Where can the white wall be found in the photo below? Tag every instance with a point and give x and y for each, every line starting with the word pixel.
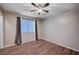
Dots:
pixel 39 29
pixel 1 30
pixel 63 29
pixel 9 28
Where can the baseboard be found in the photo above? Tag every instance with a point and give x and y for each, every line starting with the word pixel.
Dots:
pixel 63 46
pixel 9 46
pixel 1 47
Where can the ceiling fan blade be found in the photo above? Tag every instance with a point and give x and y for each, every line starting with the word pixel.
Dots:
pixel 34 4
pixel 46 10
pixel 32 10
pixel 47 4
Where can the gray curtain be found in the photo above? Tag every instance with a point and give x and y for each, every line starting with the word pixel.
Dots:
pixel 18 39
pixel 36 32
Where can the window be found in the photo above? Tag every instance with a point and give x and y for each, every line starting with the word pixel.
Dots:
pixel 27 25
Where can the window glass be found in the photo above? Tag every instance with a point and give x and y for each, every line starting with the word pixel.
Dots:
pixel 27 25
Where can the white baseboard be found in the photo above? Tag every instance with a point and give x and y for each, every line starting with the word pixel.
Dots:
pixel 8 45
pixel 63 45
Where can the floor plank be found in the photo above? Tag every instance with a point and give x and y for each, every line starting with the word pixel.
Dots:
pixel 40 47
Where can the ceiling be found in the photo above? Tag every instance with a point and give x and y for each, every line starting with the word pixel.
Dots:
pixel 25 8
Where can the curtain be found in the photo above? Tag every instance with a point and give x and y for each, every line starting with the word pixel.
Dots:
pixel 36 32
pixel 18 39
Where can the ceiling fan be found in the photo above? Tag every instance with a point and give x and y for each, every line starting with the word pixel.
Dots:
pixel 40 7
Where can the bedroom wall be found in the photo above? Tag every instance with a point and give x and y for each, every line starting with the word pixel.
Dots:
pixel 1 29
pixel 10 30
pixel 39 29
pixel 63 29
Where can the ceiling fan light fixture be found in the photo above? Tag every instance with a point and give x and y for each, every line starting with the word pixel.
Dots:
pixel 40 10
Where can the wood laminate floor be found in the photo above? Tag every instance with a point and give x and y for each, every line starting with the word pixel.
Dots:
pixel 40 47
